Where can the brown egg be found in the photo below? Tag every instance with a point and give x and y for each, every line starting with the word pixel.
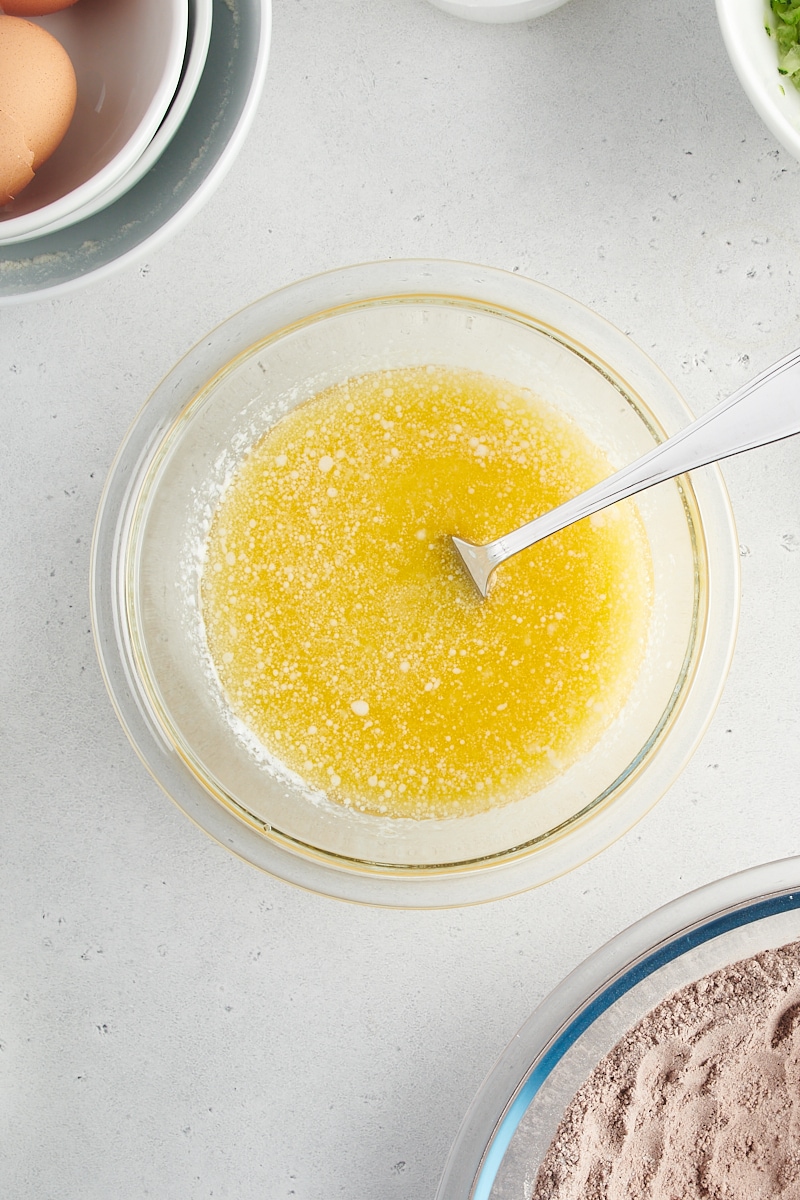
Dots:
pixel 16 170
pixel 37 99
pixel 33 8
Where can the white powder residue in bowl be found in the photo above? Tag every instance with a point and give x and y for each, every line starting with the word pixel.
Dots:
pixel 698 1101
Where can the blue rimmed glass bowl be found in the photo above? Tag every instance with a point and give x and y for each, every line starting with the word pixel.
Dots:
pixel 512 1120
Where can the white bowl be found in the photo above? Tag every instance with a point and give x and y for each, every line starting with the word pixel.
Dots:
pixel 194 163
pixel 498 11
pixel 754 55
pixel 200 18
pixel 127 58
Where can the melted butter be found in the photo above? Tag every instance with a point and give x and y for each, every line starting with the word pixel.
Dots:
pixel 345 633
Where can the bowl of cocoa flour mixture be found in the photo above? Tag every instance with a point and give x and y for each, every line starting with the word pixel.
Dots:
pixel 666 1067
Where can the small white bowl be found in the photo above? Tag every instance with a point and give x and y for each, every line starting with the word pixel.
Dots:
pixel 498 11
pixel 127 58
pixel 200 18
pixel 754 55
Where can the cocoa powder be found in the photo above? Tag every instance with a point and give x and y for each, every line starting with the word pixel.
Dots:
pixel 700 1099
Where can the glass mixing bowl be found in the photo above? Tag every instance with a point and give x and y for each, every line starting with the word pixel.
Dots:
pixel 236 384
pixel 510 1125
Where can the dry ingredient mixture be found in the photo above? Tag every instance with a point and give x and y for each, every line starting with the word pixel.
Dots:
pixel 345 633
pixel 700 1099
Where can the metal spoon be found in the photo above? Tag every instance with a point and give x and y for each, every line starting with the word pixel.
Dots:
pixel 762 411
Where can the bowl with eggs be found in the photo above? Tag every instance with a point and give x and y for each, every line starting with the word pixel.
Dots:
pixel 84 90
pixel 200 14
pixel 216 101
pixel 287 633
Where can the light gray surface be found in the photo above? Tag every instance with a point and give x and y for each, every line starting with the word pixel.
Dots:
pixel 173 1023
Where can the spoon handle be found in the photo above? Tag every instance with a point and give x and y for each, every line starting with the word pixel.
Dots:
pixel 764 410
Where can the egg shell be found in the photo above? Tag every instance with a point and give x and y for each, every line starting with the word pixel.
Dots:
pixel 38 88
pixel 33 8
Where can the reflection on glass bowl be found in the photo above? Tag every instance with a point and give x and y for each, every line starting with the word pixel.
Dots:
pixel 235 385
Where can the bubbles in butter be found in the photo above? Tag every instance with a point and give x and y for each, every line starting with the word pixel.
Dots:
pixel 345 633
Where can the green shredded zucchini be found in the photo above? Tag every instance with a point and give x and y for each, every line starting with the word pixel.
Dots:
pixel 787 35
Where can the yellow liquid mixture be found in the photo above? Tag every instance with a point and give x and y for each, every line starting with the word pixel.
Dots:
pixel 345 633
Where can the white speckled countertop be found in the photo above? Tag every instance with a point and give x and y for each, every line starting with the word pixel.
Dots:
pixel 173 1024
